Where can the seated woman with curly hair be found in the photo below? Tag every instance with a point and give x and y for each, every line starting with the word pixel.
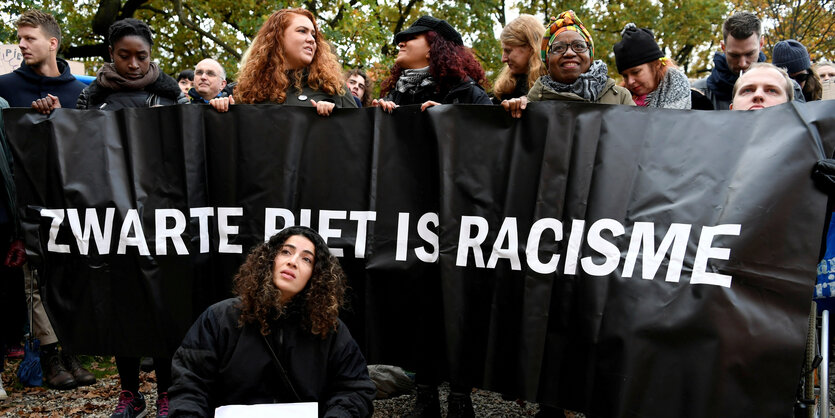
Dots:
pixel 279 341
pixel 290 63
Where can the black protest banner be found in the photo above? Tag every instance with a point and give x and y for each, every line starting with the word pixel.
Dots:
pixel 607 259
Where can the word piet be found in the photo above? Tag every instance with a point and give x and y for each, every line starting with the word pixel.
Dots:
pixel 602 256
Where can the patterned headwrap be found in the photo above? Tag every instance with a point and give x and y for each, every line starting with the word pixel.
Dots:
pixel 566 21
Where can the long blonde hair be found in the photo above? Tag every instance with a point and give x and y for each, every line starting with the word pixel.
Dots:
pixel 525 30
pixel 264 76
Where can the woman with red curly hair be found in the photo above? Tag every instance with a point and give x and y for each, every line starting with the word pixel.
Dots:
pixel 290 63
pixel 279 341
pixel 432 67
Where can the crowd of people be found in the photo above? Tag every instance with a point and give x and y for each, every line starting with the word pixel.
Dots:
pixel 280 339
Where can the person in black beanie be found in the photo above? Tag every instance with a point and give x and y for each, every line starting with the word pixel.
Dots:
pixel 652 78
pixel 793 56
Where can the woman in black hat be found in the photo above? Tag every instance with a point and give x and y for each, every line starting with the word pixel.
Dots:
pixel 652 78
pixel 432 67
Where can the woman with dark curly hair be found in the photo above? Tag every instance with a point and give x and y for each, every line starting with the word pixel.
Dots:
pixel 290 63
pixel 432 67
pixel 279 341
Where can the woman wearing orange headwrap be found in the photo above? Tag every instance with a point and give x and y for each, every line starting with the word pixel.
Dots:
pixel 573 75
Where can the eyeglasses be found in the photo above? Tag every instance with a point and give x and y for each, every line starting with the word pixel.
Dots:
pixel 801 77
pixel 559 48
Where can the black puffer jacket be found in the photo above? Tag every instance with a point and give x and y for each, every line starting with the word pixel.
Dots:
pixel 164 91
pixel 466 92
pixel 220 363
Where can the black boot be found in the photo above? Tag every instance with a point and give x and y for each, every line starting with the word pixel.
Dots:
pixel 81 375
pixel 426 403
pixel 55 375
pixel 460 405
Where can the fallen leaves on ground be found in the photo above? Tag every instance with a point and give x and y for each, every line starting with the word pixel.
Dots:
pixel 97 400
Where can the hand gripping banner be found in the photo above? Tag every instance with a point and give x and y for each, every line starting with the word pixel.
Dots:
pixel 607 259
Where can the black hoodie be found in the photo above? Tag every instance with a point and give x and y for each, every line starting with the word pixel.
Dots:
pixel 23 86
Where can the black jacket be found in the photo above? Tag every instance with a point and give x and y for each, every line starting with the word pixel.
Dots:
pixel 163 91
pixel 23 86
pixel 220 363
pixel 467 91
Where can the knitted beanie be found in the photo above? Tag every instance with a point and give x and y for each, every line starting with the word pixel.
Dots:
pixel 429 23
pixel 637 46
pixel 791 55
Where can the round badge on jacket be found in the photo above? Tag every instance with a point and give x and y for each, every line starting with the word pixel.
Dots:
pixel 302 97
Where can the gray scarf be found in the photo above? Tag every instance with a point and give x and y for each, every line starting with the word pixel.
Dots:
pixel 413 79
pixel 673 92
pixel 588 86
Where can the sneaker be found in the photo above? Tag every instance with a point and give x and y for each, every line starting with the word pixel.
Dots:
pixel 162 405
pixel 3 394
pixel 82 376
pixel 55 375
pixel 426 403
pixel 460 405
pixel 14 352
pixel 130 405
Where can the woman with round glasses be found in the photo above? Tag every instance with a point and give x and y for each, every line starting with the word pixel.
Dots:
pixel 573 75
